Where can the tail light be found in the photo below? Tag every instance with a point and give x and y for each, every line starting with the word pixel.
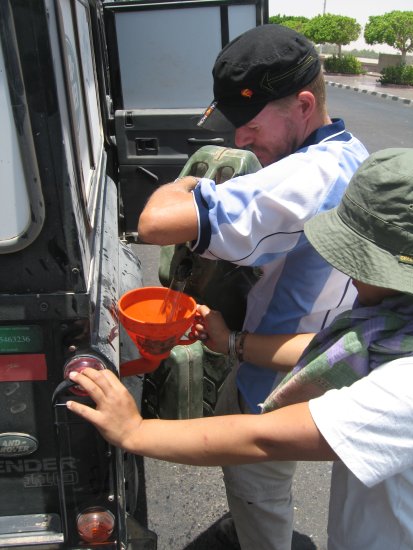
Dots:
pixel 95 524
pixel 79 363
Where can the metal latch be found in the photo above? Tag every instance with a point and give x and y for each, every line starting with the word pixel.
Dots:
pixel 128 118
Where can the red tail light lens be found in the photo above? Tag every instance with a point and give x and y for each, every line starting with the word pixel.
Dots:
pixel 79 363
pixel 95 524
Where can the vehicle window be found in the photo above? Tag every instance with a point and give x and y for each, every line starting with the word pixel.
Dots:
pixel 89 79
pixel 178 76
pixel 21 204
pixel 78 97
pixel 166 56
pixel 240 19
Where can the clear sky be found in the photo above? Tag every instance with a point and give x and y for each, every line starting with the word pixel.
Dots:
pixel 359 9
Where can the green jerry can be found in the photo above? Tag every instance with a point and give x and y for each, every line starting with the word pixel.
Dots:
pixel 188 382
pixel 174 390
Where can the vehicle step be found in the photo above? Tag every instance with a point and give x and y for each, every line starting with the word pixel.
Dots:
pixel 30 529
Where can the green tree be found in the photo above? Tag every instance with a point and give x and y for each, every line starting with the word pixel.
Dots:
pixel 394 28
pixel 332 29
pixel 295 22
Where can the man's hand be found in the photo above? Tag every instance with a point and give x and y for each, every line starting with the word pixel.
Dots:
pixel 212 329
pixel 116 415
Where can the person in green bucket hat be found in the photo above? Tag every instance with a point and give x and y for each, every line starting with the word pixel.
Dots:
pixel 350 397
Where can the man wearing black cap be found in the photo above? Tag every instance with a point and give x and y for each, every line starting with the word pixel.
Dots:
pixel 268 85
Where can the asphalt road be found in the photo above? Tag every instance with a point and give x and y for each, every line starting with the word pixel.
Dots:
pixel 378 122
pixel 184 503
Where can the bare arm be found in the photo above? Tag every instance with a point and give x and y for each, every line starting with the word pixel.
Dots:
pixel 274 351
pixel 170 216
pixel 286 434
pixel 279 352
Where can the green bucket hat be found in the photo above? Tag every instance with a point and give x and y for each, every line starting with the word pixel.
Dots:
pixel 369 236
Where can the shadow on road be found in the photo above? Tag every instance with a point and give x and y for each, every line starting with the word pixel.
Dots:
pixel 208 541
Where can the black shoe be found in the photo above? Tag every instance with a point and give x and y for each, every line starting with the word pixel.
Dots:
pixel 226 533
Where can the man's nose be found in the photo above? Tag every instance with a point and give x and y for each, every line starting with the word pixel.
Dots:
pixel 242 137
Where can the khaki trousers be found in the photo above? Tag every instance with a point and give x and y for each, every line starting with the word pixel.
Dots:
pixel 259 495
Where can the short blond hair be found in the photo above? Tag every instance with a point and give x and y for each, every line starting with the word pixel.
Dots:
pixel 317 87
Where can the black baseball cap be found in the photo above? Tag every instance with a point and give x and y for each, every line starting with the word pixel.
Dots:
pixel 265 63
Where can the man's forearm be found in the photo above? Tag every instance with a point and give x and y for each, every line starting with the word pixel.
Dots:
pixel 279 352
pixel 170 215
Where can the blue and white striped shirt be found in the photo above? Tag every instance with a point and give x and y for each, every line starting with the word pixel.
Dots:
pixel 258 219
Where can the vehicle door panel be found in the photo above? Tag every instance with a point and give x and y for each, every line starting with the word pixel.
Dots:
pixel 161 82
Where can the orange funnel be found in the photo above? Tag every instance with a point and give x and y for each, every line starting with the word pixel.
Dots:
pixel 145 313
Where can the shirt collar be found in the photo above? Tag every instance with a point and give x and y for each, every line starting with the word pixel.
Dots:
pixel 334 131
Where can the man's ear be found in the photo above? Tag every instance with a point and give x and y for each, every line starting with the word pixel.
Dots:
pixel 307 103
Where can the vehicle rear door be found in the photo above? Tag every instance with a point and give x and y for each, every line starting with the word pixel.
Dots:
pixel 160 56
